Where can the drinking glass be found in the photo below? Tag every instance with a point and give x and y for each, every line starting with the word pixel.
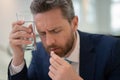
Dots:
pixel 28 19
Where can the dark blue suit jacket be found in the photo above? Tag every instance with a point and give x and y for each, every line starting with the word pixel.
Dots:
pixel 99 60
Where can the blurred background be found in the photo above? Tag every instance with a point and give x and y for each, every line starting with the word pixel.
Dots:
pixel 95 16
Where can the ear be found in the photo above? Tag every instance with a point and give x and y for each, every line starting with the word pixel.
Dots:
pixel 75 23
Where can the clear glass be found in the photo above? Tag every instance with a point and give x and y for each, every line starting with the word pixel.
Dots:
pixel 28 18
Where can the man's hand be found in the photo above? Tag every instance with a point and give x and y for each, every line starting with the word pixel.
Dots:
pixel 61 70
pixel 17 39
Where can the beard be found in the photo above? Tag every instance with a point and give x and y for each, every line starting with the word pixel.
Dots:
pixel 62 50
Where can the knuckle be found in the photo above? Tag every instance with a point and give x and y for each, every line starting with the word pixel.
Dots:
pixel 49 73
pixel 49 67
pixel 10 39
pixel 20 33
pixel 13 24
pixel 50 60
pixel 15 27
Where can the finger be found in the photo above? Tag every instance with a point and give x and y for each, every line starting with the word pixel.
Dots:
pixel 51 75
pixel 54 63
pixel 52 69
pixel 20 42
pixel 21 34
pixel 21 28
pixel 59 60
pixel 18 23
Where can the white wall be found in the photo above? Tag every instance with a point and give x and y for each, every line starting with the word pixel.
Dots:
pixel 8 9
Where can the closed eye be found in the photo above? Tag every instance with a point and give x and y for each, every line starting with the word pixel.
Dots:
pixel 56 30
pixel 42 33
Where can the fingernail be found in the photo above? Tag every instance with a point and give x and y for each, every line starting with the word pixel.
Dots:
pixel 52 52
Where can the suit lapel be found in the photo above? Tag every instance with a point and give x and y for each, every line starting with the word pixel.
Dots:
pixel 87 57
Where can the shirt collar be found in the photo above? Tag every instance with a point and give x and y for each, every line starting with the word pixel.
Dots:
pixel 74 56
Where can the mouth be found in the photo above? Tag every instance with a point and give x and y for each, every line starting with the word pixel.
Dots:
pixel 54 49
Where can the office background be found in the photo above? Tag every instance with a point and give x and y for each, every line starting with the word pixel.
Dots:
pixel 95 16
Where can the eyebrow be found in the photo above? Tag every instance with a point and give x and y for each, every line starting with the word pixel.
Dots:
pixel 54 28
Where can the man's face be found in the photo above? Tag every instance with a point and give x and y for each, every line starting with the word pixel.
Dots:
pixel 56 33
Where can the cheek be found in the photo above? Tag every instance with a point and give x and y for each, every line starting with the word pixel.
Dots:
pixel 62 39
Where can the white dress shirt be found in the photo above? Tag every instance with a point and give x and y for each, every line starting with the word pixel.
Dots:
pixel 73 57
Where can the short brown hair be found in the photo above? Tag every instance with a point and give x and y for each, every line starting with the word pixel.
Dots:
pixel 66 6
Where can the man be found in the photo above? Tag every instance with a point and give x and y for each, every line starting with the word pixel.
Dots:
pixel 91 56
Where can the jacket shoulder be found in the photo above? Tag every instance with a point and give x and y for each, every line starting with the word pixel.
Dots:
pixel 40 51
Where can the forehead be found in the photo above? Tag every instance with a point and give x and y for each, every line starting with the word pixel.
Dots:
pixel 50 18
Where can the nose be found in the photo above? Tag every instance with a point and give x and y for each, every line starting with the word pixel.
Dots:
pixel 49 40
